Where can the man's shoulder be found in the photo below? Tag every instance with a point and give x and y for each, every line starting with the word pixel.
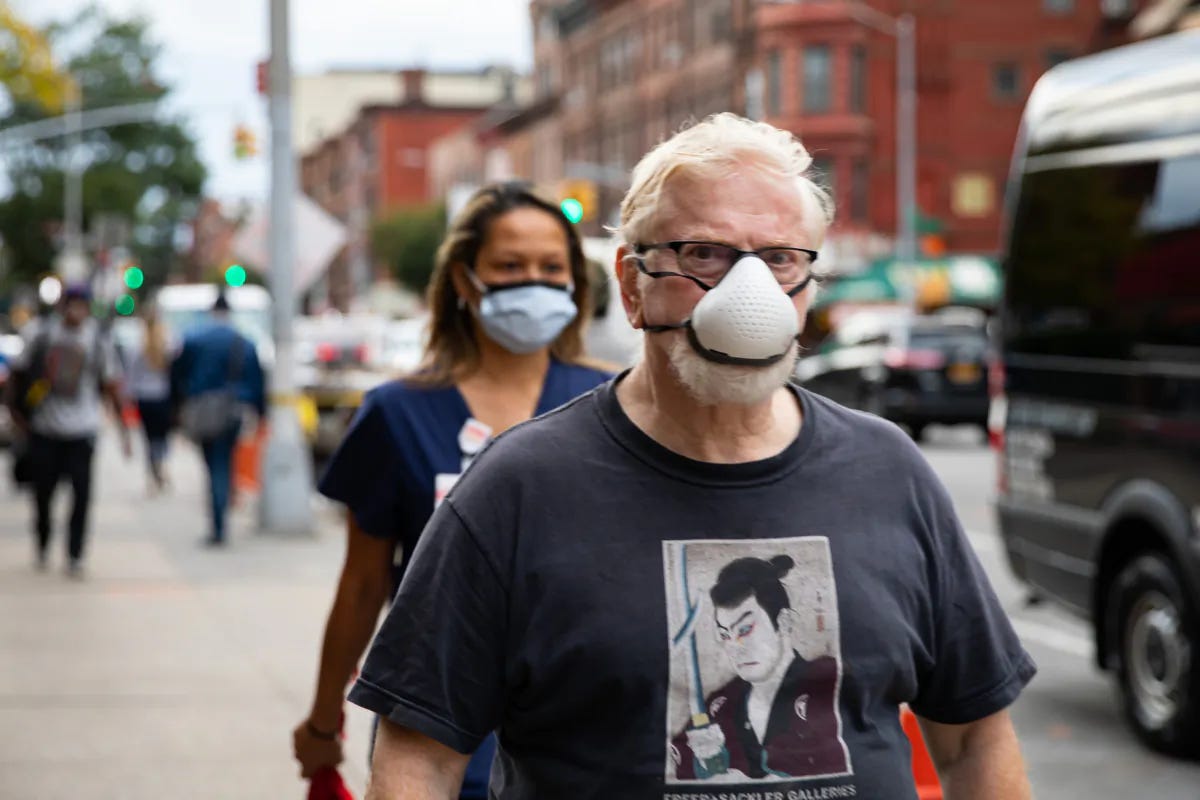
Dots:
pixel 542 449
pixel 538 438
pixel 583 375
pixel 850 430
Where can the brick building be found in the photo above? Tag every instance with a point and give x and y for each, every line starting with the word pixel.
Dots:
pixel 627 73
pixel 213 232
pixel 830 77
pixel 379 161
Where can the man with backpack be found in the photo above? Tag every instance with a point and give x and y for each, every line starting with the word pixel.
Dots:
pixel 215 377
pixel 67 365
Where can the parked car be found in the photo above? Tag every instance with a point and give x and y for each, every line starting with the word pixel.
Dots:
pixel 339 358
pixel 914 369
pixel 1097 406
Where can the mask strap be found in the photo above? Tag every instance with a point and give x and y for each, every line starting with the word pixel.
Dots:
pixel 800 287
pixel 660 328
pixel 484 288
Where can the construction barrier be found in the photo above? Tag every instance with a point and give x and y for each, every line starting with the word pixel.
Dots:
pixel 924 773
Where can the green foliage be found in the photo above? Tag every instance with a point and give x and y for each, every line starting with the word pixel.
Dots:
pixel 148 174
pixel 407 241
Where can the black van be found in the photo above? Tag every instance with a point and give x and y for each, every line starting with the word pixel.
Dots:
pixel 1096 407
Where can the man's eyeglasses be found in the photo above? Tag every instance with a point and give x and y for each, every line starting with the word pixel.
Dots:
pixel 706 263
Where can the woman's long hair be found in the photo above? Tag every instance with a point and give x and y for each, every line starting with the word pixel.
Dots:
pixel 155 349
pixel 452 352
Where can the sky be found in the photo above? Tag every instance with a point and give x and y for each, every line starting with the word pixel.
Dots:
pixel 210 48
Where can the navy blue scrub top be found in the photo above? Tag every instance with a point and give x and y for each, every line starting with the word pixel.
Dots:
pixel 385 470
pixel 386 473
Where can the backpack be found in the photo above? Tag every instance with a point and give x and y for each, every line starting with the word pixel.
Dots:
pixel 211 414
pixel 33 383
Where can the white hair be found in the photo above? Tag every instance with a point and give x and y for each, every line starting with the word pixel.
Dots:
pixel 710 383
pixel 714 148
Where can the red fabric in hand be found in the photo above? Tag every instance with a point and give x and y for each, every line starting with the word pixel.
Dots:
pixel 327 784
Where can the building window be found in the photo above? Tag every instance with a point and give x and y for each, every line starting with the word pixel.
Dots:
pixel 1059 8
pixel 1006 81
pixel 973 195
pixel 1056 56
pixel 774 83
pixel 858 79
pixel 1116 9
pixel 817 74
pixel 860 190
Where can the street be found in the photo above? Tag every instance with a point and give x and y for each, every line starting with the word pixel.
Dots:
pixel 176 671
pixel 1069 720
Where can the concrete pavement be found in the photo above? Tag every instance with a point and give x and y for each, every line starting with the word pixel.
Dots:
pixel 171 670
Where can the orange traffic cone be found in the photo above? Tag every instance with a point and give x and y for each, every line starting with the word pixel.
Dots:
pixel 924 773
pixel 247 456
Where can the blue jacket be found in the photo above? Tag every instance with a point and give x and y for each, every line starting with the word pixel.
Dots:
pixel 203 365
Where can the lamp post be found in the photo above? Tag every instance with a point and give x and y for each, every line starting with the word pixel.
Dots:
pixel 286 468
pixel 903 29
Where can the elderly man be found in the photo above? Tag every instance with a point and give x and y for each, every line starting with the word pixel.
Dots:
pixel 574 590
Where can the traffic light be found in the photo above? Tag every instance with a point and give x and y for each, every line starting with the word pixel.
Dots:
pixel 578 199
pixel 134 278
pixel 235 275
pixel 245 145
pixel 572 209
pixel 125 305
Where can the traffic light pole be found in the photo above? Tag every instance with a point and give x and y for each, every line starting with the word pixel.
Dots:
pixel 286 468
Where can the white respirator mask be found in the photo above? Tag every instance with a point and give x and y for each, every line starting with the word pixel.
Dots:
pixel 746 319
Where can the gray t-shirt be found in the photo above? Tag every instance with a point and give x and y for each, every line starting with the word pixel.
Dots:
pixel 74 362
pixel 636 624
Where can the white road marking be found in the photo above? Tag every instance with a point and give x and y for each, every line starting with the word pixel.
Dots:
pixel 985 543
pixel 1060 639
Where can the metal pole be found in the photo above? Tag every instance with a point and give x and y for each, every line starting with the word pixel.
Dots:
pixel 906 140
pixel 72 266
pixel 287 470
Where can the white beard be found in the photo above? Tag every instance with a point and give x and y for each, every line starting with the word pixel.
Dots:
pixel 713 384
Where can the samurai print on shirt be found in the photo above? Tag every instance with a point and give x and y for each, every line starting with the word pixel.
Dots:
pixel 755 663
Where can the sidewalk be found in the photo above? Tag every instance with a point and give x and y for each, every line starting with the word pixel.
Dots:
pixel 171 670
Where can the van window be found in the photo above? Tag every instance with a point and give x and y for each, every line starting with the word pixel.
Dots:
pixel 1104 261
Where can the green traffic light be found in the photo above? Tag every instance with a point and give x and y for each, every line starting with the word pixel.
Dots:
pixel 235 275
pixel 134 278
pixel 572 209
pixel 125 305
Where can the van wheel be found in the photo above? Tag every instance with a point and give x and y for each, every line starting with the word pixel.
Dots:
pixel 1159 667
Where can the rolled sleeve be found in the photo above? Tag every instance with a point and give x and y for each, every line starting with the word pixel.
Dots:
pixel 979 666
pixel 437 663
pixel 365 472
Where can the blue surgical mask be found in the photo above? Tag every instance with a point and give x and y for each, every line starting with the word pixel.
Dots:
pixel 524 317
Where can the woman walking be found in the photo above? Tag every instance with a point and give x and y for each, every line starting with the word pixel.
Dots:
pixel 508 301
pixel 150 386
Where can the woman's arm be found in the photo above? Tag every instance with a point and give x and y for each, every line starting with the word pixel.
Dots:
pixel 361 593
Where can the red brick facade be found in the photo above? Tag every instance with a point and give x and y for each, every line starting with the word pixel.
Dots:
pixel 629 73
pixel 976 63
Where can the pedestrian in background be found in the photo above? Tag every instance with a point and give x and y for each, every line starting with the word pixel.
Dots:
pixel 150 386
pixel 215 379
pixel 66 367
pixel 508 300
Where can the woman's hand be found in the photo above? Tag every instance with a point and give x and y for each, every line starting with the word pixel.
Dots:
pixel 315 749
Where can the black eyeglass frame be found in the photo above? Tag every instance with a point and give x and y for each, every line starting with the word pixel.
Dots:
pixel 641 249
